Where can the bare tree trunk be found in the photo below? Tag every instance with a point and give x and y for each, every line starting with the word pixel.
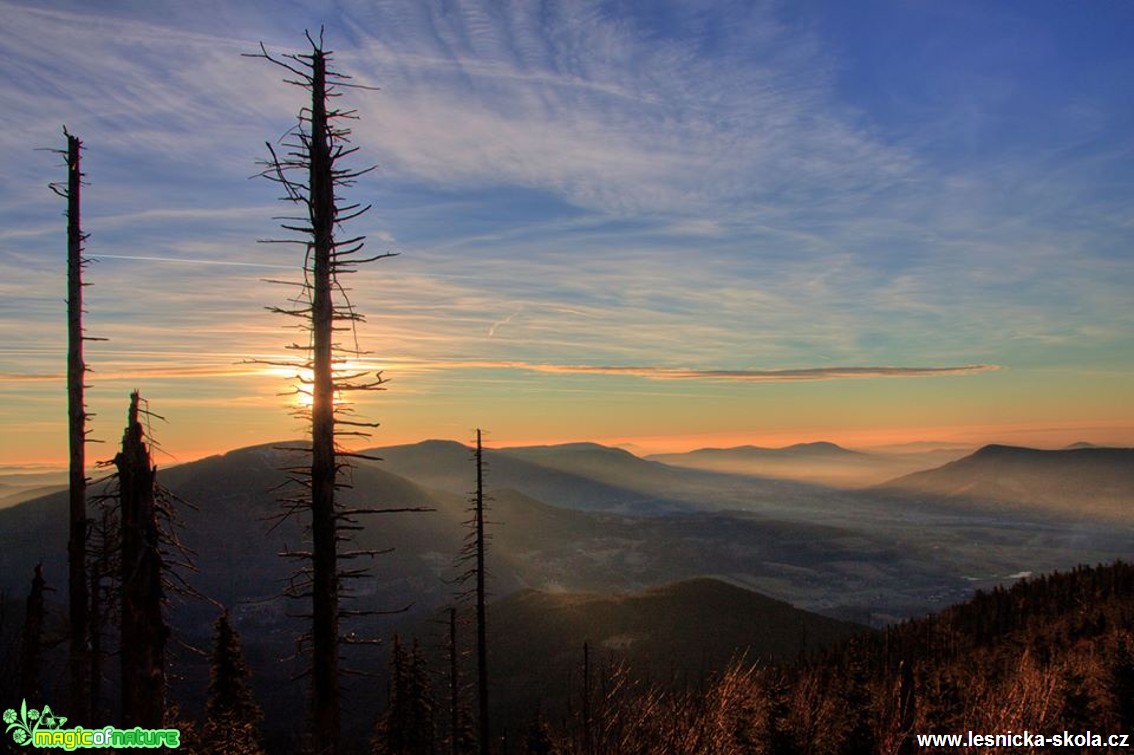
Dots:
pixel 143 629
pixel 454 684
pixel 325 589
pixel 77 420
pixel 314 148
pixel 481 628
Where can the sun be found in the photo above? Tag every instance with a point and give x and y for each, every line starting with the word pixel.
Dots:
pixel 301 395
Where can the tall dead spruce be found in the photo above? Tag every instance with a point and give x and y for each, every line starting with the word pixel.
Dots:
pixel 309 169
pixel 78 601
pixel 473 554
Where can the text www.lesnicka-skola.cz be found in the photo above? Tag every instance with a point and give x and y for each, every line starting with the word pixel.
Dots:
pixel 1025 739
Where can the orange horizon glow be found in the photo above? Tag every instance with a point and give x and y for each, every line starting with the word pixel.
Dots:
pixel 1035 435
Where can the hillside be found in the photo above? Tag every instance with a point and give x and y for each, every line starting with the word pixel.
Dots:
pixel 677 630
pixel 19 484
pixel 870 556
pixel 1077 481
pixel 1030 658
pixel 860 555
pixel 446 465
pixel 821 463
pixel 818 450
pixel 673 636
pixel 612 466
pixel 596 478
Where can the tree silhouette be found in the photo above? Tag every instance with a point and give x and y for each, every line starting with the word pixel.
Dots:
pixel 407 726
pixel 31 650
pixel 77 598
pixel 310 171
pixel 232 715
pixel 144 631
pixel 473 554
pixel 462 739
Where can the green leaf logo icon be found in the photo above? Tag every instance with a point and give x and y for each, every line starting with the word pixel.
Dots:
pixel 24 725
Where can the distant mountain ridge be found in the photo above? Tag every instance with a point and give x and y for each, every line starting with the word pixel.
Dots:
pixel 819 462
pixel 816 448
pixel 587 477
pixel 1094 480
pixel 580 517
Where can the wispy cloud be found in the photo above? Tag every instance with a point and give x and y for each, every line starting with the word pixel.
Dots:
pixel 179 369
pixel 766 376
pixel 572 185
pixel 743 376
pixel 575 102
pixel 188 261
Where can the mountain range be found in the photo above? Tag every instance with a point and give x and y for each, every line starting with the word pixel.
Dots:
pixel 603 541
pixel 1091 481
pixel 589 517
pixel 821 462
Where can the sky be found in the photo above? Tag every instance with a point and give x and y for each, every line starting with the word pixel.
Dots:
pixel 667 225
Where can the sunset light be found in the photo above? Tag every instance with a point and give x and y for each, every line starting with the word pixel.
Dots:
pixel 567 376
pixel 734 247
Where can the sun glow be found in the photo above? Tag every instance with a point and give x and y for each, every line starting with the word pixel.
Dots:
pixel 300 393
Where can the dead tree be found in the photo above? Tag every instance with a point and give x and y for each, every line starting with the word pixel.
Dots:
pixel 137 562
pixel 462 738
pixel 454 683
pixel 481 597
pixel 78 600
pixel 310 170
pixel 473 554
pixel 143 628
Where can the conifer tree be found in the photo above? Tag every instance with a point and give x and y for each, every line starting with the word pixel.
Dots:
pixel 407 725
pixel 31 655
pixel 1122 679
pixel 422 720
pixel 232 715
pixel 538 741
pixel 907 709
pixel 777 722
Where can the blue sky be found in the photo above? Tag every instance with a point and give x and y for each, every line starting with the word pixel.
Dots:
pixel 638 222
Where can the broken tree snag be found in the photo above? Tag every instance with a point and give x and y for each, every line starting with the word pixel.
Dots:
pixel 143 630
pixel 102 541
pixel 309 171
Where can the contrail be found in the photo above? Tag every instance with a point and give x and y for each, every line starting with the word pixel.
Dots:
pixel 188 261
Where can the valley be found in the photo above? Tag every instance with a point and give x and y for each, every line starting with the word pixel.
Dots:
pixel 587 531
